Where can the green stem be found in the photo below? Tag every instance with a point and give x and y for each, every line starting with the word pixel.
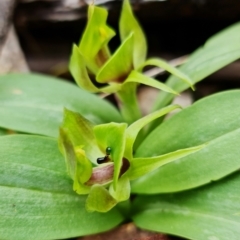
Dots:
pixel 128 102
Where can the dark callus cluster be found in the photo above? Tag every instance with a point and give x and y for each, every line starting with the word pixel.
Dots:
pixel 105 158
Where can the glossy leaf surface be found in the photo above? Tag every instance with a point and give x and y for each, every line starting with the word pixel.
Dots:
pixel 211 212
pixel 36 196
pixel 34 103
pixel 214 120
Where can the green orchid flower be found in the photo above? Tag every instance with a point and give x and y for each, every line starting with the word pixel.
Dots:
pixel 120 72
pixel 100 160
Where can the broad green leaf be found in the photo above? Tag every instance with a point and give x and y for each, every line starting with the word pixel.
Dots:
pixel 128 102
pixel 93 44
pixel 119 65
pixel 166 66
pixel 133 130
pixel 129 24
pixel 112 135
pixel 99 199
pixel 136 77
pixel 142 166
pixel 80 132
pixel 211 212
pixel 220 50
pixel 36 196
pixel 79 71
pixel 34 103
pixel 214 120
pixel 123 189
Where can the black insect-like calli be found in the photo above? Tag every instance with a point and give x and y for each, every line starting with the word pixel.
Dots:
pixel 106 158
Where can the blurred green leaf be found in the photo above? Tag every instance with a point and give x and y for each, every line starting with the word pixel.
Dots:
pixel 129 24
pixel 93 44
pixel 112 135
pixel 166 66
pixel 211 212
pixel 37 199
pixel 3 132
pixel 34 103
pixel 220 50
pixel 119 65
pixel 213 120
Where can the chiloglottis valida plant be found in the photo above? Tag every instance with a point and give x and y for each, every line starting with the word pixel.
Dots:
pixel 100 159
pixel 96 69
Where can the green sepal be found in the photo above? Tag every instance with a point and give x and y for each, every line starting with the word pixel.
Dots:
pixel 84 166
pixel 80 133
pixel 142 166
pixel 112 135
pixel 96 36
pixel 79 71
pixel 119 65
pixel 133 130
pixel 99 199
pixel 137 77
pixel 166 66
pixel 123 189
pixel 78 166
pixel 128 24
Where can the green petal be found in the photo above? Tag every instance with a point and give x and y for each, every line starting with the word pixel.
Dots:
pixel 123 189
pixel 129 24
pixel 166 66
pixel 79 72
pixel 112 135
pixel 137 77
pixel 119 65
pixel 142 166
pixel 80 133
pixel 99 199
pixel 93 45
pixel 133 130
